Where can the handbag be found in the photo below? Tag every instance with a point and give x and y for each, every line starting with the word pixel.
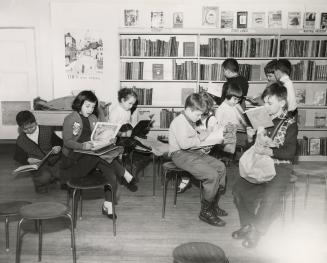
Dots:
pixel 257 168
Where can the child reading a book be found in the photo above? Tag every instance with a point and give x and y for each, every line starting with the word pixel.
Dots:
pixel 231 72
pixel 34 142
pixel 211 171
pixel 77 129
pixel 259 204
pixel 282 72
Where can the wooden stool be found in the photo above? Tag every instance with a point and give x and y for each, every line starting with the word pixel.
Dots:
pixel 199 252
pixel 170 167
pixel 41 211
pixel 10 209
pixel 93 181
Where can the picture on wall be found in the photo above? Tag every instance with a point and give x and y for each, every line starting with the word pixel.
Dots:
pixel 131 17
pixel 323 21
pixel 227 19
pixel 83 54
pixel 178 19
pixel 242 19
pixel 258 19
pixel 210 16
pixel 275 19
pixel 309 20
pixel 157 20
pixel 294 20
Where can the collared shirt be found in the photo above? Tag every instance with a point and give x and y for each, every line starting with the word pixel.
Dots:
pixel 291 99
pixel 35 135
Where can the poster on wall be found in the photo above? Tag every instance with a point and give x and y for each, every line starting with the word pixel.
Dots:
pixel 83 54
pixel 323 21
pixel 178 19
pixel 294 20
pixel 275 19
pixel 227 19
pixel 210 16
pixel 309 20
pixel 258 19
pixel 131 17
pixel 157 20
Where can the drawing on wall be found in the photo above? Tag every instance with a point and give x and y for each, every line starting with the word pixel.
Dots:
pixel 178 19
pixel 275 19
pixel 294 20
pixel 258 19
pixel 309 20
pixel 323 21
pixel 131 17
pixel 10 109
pixel 210 16
pixel 157 20
pixel 83 54
pixel 227 18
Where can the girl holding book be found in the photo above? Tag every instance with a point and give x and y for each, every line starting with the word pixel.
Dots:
pixel 77 130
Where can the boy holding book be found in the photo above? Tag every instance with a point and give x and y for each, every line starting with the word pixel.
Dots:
pixel 183 136
pixel 34 142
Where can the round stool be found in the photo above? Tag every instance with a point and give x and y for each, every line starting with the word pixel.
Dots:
pixel 40 211
pixel 10 209
pixel 167 168
pixel 199 252
pixel 93 181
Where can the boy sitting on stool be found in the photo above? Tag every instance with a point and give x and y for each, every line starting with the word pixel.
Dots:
pixel 212 172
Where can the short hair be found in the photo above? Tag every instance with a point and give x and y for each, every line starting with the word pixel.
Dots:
pixel 82 97
pixel 231 89
pixel 231 64
pixel 276 89
pixel 125 93
pixel 25 117
pixel 208 100
pixel 270 67
pixel 284 65
pixel 195 102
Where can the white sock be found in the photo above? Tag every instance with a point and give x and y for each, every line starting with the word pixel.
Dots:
pixel 184 181
pixel 128 177
pixel 108 205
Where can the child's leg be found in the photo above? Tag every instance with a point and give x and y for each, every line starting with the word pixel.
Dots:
pixel 41 179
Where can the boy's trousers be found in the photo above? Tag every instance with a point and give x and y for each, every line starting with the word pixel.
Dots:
pixel 209 170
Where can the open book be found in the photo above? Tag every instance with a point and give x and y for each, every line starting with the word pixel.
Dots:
pixel 259 116
pixel 101 137
pixel 32 167
pixel 215 137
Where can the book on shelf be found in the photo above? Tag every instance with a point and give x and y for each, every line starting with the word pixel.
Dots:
pixel 227 19
pixel 314 146
pixel 210 16
pixel 157 71
pixel 301 117
pixel 323 21
pixel 242 19
pixel 258 117
pixel 185 92
pixel 32 167
pixel 188 49
pixel 258 19
pixel 300 94
pixel 294 20
pixel 178 19
pixel 309 20
pixel 275 19
pixel 319 97
pixel 320 119
pixel 131 17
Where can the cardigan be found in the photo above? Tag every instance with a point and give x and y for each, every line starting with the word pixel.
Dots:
pixel 72 129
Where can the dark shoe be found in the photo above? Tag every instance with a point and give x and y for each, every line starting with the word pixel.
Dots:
pixel 105 213
pixel 208 215
pixel 252 238
pixel 242 232
pixel 184 187
pixel 219 211
pixel 131 185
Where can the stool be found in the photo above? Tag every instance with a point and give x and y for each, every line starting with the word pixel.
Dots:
pixel 10 209
pixel 199 252
pixel 92 181
pixel 170 167
pixel 309 169
pixel 293 180
pixel 40 211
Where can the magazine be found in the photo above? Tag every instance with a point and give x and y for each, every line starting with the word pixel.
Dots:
pixel 32 167
pixel 259 116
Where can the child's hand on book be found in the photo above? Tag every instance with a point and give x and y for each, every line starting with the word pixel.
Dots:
pixel 87 145
pixel 56 149
pixel 33 160
pixel 203 134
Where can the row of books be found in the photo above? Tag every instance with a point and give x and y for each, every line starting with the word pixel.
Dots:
pixel 309 70
pixel 214 72
pixel 250 47
pixel 315 119
pixel 187 70
pixel 312 146
pixel 303 48
pixel 132 70
pixel 146 47
pixel 144 96
pixel 167 116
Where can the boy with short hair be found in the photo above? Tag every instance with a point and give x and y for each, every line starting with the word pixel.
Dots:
pixel 231 72
pixel 269 70
pixel 35 141
pixel 211 171
pixel 282 73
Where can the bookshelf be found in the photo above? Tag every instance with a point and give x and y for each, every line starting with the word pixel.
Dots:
pixel 174 63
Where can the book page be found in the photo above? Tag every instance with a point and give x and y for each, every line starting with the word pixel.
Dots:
pixel 259 117
pixel 103 132
pixel 215 137
pixel 26 168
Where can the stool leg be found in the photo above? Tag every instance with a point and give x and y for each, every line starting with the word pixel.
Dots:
pixel 7 233
pixel 293 201
pixel 175 190
pixel 113 211
pixel 40 239
pixel 68 197
pixel 72 236
pixel 154 175
pixel 80 204
pixel 18 241
pixel 307 185
pixel 164 194
pixel 74 206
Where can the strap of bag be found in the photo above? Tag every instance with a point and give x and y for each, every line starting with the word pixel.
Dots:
pixel 280 123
